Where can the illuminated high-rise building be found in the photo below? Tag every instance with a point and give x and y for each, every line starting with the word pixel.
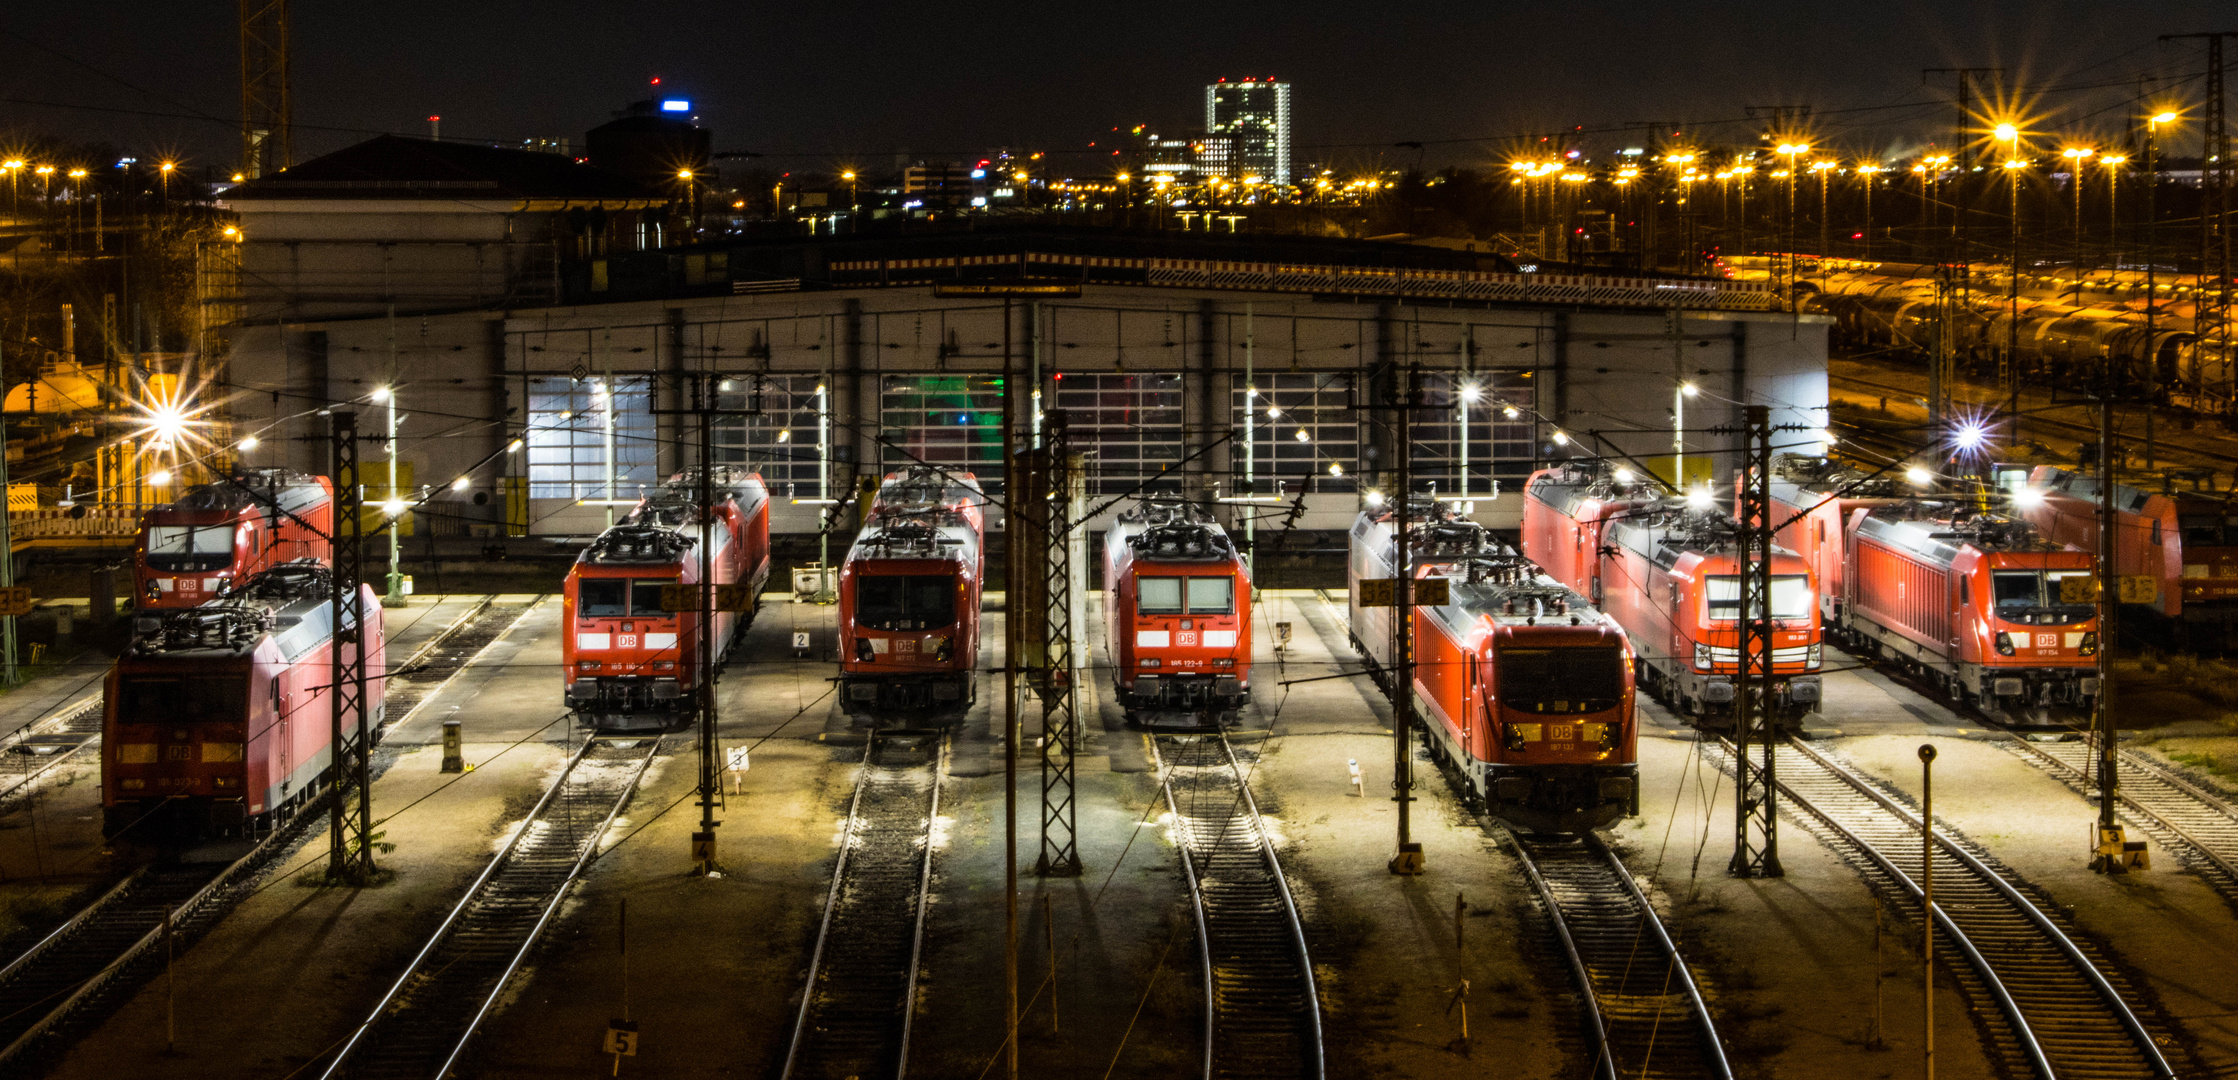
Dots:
pixel 1254 114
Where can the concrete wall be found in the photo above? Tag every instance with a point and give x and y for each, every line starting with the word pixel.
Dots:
pixel 1604 378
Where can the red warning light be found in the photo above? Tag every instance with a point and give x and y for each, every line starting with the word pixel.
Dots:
pixel 656 80
pixel 434 119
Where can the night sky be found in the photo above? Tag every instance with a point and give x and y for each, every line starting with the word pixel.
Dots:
pixel 818 84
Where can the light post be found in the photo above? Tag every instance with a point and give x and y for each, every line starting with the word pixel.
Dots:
pixel 691 205
pixel 163 174
pixel 2077 157
pixel 2113 164
pixel 1686 389
pixel 1789 150
pixel 1470 392
pixel 854 201
pixel 1927 892
pixel 1869 171
pixel 1825 171
pixel 394 505
pixel 2152 286
pixel 2010 136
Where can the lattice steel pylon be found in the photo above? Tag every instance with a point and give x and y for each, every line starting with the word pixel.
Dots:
pixel 1756 845
pixel 1051 492
pixel 265 111
pixel 350 816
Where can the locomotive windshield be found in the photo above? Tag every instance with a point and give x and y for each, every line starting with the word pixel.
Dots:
pixel 1185 596
pixel 905 602
pixel 190 547
pixel 169 699
pixel 2208 530
pixel 601 598
pixel 1791 597
pixel 2028 596
pixel 1588 679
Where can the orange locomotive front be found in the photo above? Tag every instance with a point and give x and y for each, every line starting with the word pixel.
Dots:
pixel 229 530
pixel 1974 603
pixel 2186 541
pixel 1670 575
pixel 909 595
pixel 222 718
pixel 1522 686
pixel 1177 616
pixel 629 655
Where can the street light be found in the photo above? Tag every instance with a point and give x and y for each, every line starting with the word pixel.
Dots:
pixel 394 506
pixel 1686 389
pixel 2014 164
pixel 2152 285
pixel 2076 157
pixel 1790 150
pixel 1868 170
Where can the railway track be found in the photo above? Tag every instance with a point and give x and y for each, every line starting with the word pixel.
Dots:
pixel 86 964
pixel 423 1025
pixel 435 664
pixel 2050 1006
pixel 2085 432
pixel 2198 827
pixel 35 749
pixel 863 972
pixel 1262 1008
pixel 1644 1014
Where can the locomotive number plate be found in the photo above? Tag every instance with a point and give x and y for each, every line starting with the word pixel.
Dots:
pixel 1383 592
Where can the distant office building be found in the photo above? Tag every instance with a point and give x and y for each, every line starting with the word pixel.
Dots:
pixel 936 178
pixel 1255 115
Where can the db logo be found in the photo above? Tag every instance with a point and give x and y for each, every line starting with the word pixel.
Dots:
pixel 2047 641
pixel 1185 638
pixel 905 645
pixel 625 641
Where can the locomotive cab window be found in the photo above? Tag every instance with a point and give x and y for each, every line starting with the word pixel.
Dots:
pixel 2201 530
pixel 160 699
pixel 2023 595
pixel 190 547
pixel 905 602
pixel 645 597
pixel 1791 597
pixel 1212 596
pixel 1560 680
pixel 601 598
pixel 1158 595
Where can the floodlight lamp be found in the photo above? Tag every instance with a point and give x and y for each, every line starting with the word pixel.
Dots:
pixel 249 442
pixel 1700 498
pixel 1375 498
pixel 459 484
pixel 1919 476
pixel 1623 475
pixel 2027 498
pixel 160 478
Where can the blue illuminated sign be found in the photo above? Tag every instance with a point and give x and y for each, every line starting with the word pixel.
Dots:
pixel 676 105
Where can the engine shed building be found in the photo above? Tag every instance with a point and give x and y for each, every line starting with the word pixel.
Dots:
pixel 1184 362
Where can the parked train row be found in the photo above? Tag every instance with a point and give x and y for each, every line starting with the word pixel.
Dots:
pixel 2055 331
pixel 1524 675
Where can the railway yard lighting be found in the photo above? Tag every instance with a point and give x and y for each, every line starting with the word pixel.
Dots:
pixel 249 442
pixel 1918 476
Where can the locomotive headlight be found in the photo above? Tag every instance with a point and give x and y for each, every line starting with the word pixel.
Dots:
pixel 864 652
pixel 1702 655
pixel 1816 656
pixel 1149 661
pixel 2090 643
pixel 2004 643
pixel 1225 661
pixel 1512 740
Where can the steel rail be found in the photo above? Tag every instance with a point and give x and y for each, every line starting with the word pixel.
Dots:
pixel 1604 1058
pixel 185 911
pixel 2096 980
pixel 1707 1027
pixel 2084 783
pixel 866 808
pixel 551 908
pixel 1196 909
pixel 1235 837
pixel 458 910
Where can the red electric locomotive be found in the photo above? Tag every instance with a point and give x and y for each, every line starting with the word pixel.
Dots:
pixel 1177 616
pixel 2185 541
pixel 1812 500
pixel 1972 602
pixel 1670 575
pixel 1523 687
pixel 229 530
pixel 220 719
pixel 909 597
pixel 627 660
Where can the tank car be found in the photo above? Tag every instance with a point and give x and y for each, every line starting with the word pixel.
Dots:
pixel 226 531
pixel 2186 541
pixel 1521 686
pixel 628 662
pixel 909 598
pixel 1971 601
pixel 220 720
pixel 1177 616
pixel 1670 575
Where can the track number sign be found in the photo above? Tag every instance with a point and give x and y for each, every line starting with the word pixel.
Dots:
pixel 15 600
pixel 621 1038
